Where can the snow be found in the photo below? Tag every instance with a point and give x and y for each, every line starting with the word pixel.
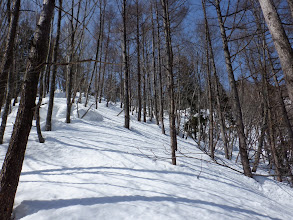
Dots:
pixel 94 168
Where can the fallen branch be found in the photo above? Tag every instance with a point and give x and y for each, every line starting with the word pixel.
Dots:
pixel 120 112
pixel 87 111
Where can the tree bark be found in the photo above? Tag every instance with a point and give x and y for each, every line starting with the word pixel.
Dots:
pixel 281 42
pixel 125 68
pixel 290 3
pixel 199 106
pixel 104 65
pixel 7 104
pixel 236 101
pixel 217 83
pixel 160 73
pixel 12 165
pixel 154 69
pixel 209 82
pixel 138 63
pixel 144 79
pixel 37 114
pixel 149 86
pixel 260 140
pixel 54 71
pixel 96 57
pixel 9 50
pixel 69 79
pixel 98 76
pixel 171 79
pixel 47 71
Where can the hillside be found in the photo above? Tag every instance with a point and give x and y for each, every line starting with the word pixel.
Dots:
pixel 94 168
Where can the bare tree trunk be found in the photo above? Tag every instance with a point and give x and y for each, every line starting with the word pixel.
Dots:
pixel 290 3
pixel 99 42
pixel 47 70
pixel 9 50
pixel 236 101
pixel 138 63
pixel 160 72
pixel 281 42
pixel 125 68
pixel 98 76
pixel 17 87
pixel 217 83
pixel 260 140
pixel 268 106
pixel 15 154
pixel 70 66
pixel 7 103
pixel 144 79
pixel 18 83
pixel 209 76
pixel 149 86
pixel 104 65
pixel 37 110
pixel 284 112
pixel 109 92
pixel 121 88
pixel 54 71
pixel 171 79
pixel 273 144
pixel 199 106
pixel 154 69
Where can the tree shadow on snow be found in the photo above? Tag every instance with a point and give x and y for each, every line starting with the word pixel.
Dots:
pixel 29 207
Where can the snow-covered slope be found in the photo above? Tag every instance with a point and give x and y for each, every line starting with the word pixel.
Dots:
pixel 94 168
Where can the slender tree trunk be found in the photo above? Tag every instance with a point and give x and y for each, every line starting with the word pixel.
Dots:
pixel 70 68
pixel 17 83
pixel 144 96
pixel 46 78
pixel 160 72
pixel 96 57
pixel 138 63
pixel 109 92
pixel 7 104
pixel 171 79
pixel 281 42
pixel 69 80
pixel 284 112
pixel 13 161
pixel 98 77
pixel 37 112
pixel 17 86
pixel 209 76
pixel 271 130
pixel 125 68
pixel 9 49
pixel 121 88
pixel 217 83
pixel 144 78
pixel 154 69
pixel 260 140
pixel 236 101
pixel 290 3
pixel 199 106
pixel 54 71
pixel 104 65
pixel 149 86
pixel 273 144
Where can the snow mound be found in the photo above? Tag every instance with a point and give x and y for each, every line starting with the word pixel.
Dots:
pixel 89 115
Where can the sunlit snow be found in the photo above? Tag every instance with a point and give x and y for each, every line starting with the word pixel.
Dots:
pixel 94 168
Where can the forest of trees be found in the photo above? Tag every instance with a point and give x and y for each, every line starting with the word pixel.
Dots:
pixel 221 70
